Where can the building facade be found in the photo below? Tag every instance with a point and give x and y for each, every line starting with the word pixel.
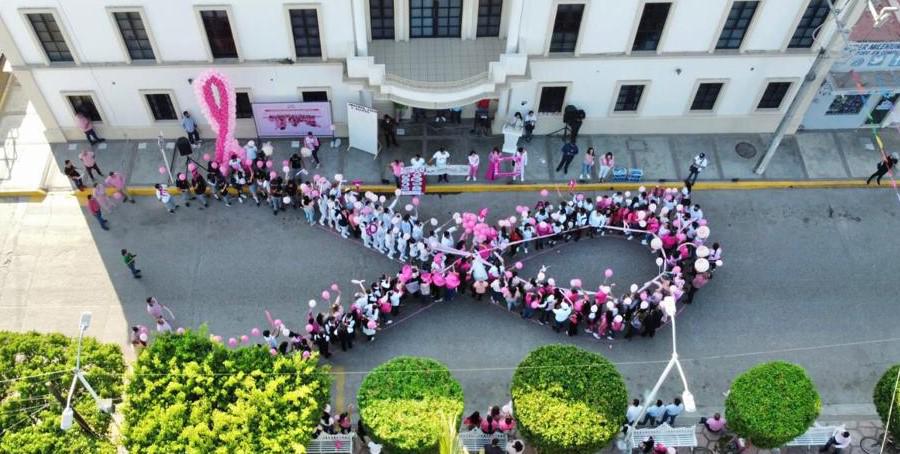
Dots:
pixel 633 66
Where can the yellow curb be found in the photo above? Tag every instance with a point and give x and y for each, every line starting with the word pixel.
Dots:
pixel 562 187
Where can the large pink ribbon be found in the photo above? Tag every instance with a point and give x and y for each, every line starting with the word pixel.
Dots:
pixel 218 101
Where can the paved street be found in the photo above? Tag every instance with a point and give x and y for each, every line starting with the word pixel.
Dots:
pixel 808 277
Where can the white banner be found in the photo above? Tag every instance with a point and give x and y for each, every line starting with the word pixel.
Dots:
pixel 363 124
pixel 449 169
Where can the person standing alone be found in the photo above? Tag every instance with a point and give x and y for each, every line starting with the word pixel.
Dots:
pixel 190 127
pixel 569 150
pixel 94 208
pixel 129 260
pixel 883 168
pixel 697 165
pixel 84 123
pixel 312 142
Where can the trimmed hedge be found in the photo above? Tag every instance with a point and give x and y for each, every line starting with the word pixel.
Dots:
pixel 405 403
pixel 882 395
pixel 189 394
pixel 772 403
pixel 567 399
pixel 30 416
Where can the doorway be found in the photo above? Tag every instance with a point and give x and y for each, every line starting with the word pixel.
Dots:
pixel 882 109
pixel 435 18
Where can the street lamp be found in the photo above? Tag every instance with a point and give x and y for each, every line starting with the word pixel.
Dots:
pixel 668 305
pixel 105 405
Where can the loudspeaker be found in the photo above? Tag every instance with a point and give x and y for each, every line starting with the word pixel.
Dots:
pixel 570 114
pixel 184 146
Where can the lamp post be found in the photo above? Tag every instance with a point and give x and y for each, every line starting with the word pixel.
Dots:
pixel 105 405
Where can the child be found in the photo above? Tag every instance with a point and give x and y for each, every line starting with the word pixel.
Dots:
pixel 587 167
pixel 474 160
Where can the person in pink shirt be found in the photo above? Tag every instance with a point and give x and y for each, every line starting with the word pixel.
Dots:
pixel 714 424
pixel 94 208
pixel 85 125
pixel 116 181
pixel 90 163
pixel 493 165
pixel 312 142
pixel 397 169
pixel 607 162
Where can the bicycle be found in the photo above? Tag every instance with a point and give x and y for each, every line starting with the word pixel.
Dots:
pixel 872 445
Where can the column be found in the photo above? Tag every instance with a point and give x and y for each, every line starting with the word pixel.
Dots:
pixel 502 113
pixel 515 23
pixel 401 20
pixel 359 28
pixel 469 24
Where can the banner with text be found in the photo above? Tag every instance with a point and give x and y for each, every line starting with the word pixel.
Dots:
pixel 292 119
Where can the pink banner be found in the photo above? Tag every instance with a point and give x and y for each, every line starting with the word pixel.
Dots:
pixel 292 119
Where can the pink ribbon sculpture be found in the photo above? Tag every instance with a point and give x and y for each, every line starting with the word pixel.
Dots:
pixel 217 100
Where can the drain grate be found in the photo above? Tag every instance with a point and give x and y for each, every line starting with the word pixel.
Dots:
pixel 745 150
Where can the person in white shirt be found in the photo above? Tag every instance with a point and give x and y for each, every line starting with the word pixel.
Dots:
pixel 440 161
pixel 530 123
pixel 840 440
pixel 634 410
pixel 417 162
pixel 697 165
pixel 654 412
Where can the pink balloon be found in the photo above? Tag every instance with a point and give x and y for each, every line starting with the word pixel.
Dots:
pixel 254 332
pixel 273 174
pixel 192 167
pixel 118 196
pixel 335 288
pixel 214 165
pixel 273 352
pixel 372 324
pixel 245 338
pixel 438 280
pixel 232 342
pixel 162 170
pixel 309 328
pixel 181 177
pixel 534 304
pixel 305 354
pixel 270 164
pixel 608 273
pixel 508 274
pixel 217 339
pixel 544 193
pixel 702 222
pixel 452 281
pixel 326 295
pixel 575 283
pixel 415 201
pixel 180 330
pixel 285 162
pixel 206 156
pixel 518 265
pixel 259 164
pixel 277 322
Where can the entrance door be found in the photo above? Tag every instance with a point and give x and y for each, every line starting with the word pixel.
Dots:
pixel 435 18
pixel 882 109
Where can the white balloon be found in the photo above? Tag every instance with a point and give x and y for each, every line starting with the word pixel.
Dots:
pixel 703 232
pixel 656 243
pixel 433 221
pixel 408 207
pixel 659 261
pixel 701 265
pixel 338 177
pixel 702 251
pixel 719 263
pixel 634 288
pixel 312 304
pixel 382 199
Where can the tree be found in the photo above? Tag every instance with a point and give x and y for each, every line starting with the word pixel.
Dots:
pixel 568 399
pixel 30 416
pixel 406 403
pixel 883 395
pixel 772 403
pixel 190 394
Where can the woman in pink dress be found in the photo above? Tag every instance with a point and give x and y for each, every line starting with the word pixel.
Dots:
pixel 102 198
pixel 493 165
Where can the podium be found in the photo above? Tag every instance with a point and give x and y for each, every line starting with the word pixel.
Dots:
pixel 511 135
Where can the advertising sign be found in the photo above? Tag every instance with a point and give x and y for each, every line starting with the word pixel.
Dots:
pixel 292 119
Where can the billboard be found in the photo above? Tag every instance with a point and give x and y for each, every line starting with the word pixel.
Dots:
pixel 292 119
pixel 363 124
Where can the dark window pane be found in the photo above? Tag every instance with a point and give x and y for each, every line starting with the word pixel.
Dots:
pixel 650 28
pixel 629 98
pixel 244 110
pixel 736 24
pixel 847 104
pixel 435 18
pixel 706 96
pixel 489 14
pixel 218 32
pixel 566 27
pixel 315 96
pixel 305 26
pixel 161 106
pixel 774 95
pixel 85 105
pixel 816 13
pixel 48 33
pixel 552 99
pixel 135 35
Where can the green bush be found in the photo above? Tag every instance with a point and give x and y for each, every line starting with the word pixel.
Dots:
pixel 772 403
pixel 884 392
pixel 405 403
pixel 189 394
pixel 568 400
pixel 30 416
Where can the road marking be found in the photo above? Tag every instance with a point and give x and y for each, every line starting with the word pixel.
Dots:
pixel 340 382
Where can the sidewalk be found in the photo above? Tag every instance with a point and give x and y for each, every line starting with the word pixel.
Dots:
pixel 812 159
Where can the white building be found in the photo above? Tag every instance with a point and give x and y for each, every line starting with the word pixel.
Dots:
pixel 634 66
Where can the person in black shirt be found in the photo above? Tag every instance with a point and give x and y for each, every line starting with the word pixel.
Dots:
pixel 199 186
pixel 290 190
pixel 73 175
pixel 276 193
pixel 237 181
pixel 184 185
pixel 389 128
pixel 296 165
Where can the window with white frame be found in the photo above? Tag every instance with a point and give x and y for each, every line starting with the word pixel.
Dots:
pixel 813 17
pixel 566 27
pixel 774 95
pixel 736 24
pixel 629 98
pixel 552 99
pixel 305 28
pixel 706 96
pixel 243 107
pixel 650 28
pixel 50 36
pixel 134 35
pixel 161 106
pixel 84 104
pixel 490 13
pixel 218 33
pixel 381 19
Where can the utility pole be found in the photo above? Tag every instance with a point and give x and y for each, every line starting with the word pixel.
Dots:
pixel 62 401
pixel 823 62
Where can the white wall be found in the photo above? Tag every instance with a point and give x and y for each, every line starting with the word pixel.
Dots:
pixel 117 91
